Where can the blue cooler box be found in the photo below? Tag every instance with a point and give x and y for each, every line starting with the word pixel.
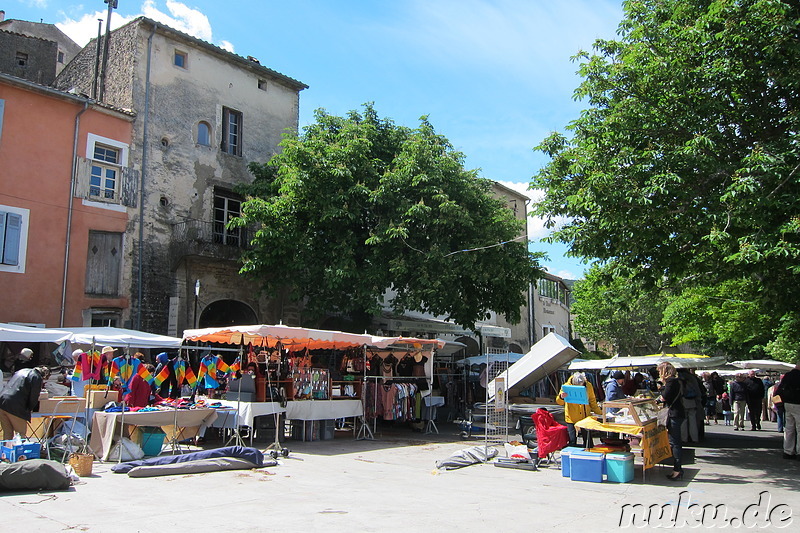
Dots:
pixel 619 467
pixel 586 466
pixel 565 455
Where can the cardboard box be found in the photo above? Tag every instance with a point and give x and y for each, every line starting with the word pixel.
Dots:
pixel 63 404
pixel 20 452
pixel 97 399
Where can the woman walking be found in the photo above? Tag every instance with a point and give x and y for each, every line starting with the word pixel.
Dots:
pixel 671 397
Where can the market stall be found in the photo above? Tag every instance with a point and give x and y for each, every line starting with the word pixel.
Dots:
pixel 182 424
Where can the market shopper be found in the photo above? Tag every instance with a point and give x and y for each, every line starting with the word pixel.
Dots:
pixel 789 393
pixel 19 399
pixel 575 412
pixel 738 401
pixel 671 397
pixel 754 392
pixel 776 405
pixel 24 360
pixel 613 389
pixel 711 399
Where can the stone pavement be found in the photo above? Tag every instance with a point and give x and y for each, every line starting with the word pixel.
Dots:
pixel 391 484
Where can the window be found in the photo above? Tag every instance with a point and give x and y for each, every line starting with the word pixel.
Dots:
pixel 226 206
pixel 105 172
pixel 13 238
pixel 231 131
pixel 181 59
pixel 22 59
pixel 60 56
pixel 262 84
pixel 204 133
pixel 104 318
pixel 103 263
pixel 547 329
pixel 106 160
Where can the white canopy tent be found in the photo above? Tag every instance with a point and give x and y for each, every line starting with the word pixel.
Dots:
pixel 648 361
pixel 764 364
pixel 118 338
pixel 545 357
pixel 270 335
pixel 17 333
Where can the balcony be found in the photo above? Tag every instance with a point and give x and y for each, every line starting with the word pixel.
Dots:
pixel 208 239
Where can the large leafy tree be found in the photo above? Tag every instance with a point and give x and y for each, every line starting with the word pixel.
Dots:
pixel 357 206
pixel 619 309
pixel 684 166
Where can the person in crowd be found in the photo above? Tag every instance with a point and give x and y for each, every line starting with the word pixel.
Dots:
pixel 767 415
pixel 727 413
pixel 671 397
pixel 575 412
pixel 24 360
pixel 739 401
pixel 789 393
pixel 711 399
pixel 78 385
pixel 629 385
pixel 693 406
pixel 754 392
pixel 613 389
pixel 140 391
pixel 776 405
pixel 19 398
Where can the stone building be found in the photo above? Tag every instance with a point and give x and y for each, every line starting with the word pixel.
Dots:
pixel 202 114
pixel 34 51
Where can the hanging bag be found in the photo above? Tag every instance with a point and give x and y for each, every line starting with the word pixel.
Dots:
pixel 663 413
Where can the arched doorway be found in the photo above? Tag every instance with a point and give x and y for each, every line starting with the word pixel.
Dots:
pixel 227 313
pixel 472 346
pixel 515 348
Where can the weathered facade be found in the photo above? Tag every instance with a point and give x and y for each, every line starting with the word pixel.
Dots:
pixel 550 309
pixel 42 49
pixel 202 114
pixel 61 239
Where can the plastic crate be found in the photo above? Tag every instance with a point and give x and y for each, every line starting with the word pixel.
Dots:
pixel 587 466
pixel 20 452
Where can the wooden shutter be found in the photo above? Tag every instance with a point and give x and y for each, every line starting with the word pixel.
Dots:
pixel 129 186
pixel 103 263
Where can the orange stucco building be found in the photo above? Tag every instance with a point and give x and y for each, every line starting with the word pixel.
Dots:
pixel 63 172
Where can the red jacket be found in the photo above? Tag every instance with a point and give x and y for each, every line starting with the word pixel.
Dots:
pixel 139 396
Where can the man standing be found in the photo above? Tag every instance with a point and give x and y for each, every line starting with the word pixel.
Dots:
pixel 24 359
pixel 789 392
pixel 613 389
pixel 739 401
pixel 754 392
pixel 19 398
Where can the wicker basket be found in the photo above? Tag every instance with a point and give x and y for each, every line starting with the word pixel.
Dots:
pixel 82 463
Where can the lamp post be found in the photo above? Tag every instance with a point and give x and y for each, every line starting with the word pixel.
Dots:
pixel 196 295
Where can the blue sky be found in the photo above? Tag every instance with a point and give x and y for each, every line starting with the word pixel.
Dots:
pixel 493 76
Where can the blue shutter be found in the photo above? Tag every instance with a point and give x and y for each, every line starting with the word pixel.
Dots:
pixel 11 238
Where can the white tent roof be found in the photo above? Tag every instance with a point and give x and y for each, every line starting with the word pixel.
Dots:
pixel 648 361
pixel 118 337
pixel 17 333
pixel 269 335
pixel 544 358
pixel 764 364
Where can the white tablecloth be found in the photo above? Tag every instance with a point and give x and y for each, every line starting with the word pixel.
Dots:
pixel 323 409
pixel 249 410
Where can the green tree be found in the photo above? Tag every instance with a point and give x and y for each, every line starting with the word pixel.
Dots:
pixel 684 167
pixel 356 206
pixel 609 306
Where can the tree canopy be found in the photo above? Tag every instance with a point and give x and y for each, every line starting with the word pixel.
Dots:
pixel 685 168
pixel 357 207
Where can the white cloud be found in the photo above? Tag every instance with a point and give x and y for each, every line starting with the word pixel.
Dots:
pixel 566 274
pixel 227 45
pixel 180 17
pixel 84 29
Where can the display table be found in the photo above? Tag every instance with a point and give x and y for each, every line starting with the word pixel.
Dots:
pixel 655 443
pixel 105 426
pixel 432 404
pixel 249 410
pixel 323 409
